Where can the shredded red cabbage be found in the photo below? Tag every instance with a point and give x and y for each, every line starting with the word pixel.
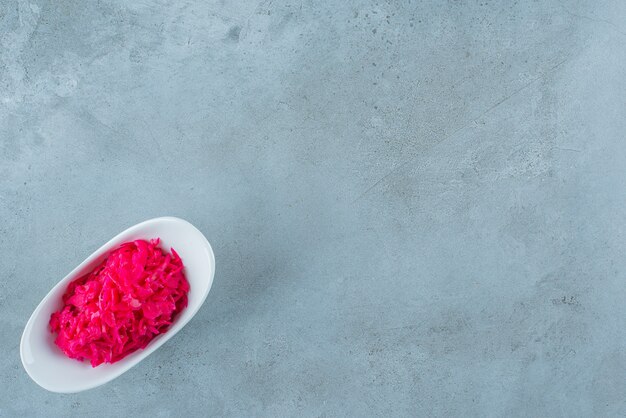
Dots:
pixel 118 308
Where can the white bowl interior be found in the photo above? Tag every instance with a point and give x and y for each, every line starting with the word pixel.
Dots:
pixel 45 362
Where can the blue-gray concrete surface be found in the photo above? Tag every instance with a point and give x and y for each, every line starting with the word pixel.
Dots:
pixel 417 208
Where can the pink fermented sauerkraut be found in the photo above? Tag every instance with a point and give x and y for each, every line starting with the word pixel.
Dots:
pixel 122 304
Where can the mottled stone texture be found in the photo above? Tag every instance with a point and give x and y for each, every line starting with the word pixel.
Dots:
pixel 417 208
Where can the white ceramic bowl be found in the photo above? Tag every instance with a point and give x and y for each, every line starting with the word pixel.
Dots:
pixel 46 364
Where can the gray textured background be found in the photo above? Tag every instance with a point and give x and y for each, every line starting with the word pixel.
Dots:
pixel 417 208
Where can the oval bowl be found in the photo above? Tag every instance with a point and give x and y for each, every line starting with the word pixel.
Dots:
pixel 46 364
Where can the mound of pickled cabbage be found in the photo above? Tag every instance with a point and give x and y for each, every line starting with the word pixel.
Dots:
pixel 122 304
